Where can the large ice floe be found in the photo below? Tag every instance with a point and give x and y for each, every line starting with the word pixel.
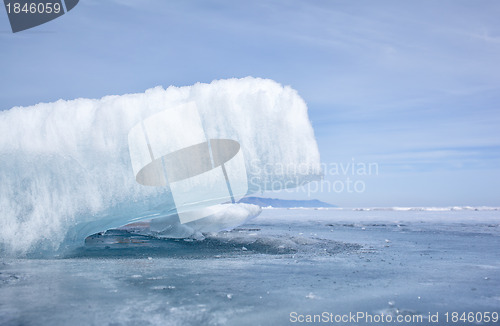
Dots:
pixel 179 157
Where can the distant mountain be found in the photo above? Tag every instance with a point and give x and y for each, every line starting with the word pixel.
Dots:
pixel 274 202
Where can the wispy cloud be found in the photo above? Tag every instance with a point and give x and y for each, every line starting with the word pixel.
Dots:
pixel 406 83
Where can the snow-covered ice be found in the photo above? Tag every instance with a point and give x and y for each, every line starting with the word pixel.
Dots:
pixel 67 172
pixel 303 261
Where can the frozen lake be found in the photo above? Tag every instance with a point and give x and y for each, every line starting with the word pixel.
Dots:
pixel 404 263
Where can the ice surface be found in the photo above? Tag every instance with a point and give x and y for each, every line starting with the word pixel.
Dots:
pixel 227 217
pixel 66 172
pixel 406 263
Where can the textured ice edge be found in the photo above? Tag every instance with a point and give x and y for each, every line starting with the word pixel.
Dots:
pixel 65 167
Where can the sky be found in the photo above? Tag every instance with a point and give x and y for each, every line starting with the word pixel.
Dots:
pixel 411 87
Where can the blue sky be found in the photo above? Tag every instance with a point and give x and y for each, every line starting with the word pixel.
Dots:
pixel 413 86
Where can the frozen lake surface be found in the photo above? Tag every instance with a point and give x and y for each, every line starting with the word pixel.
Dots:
pixel 396 262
